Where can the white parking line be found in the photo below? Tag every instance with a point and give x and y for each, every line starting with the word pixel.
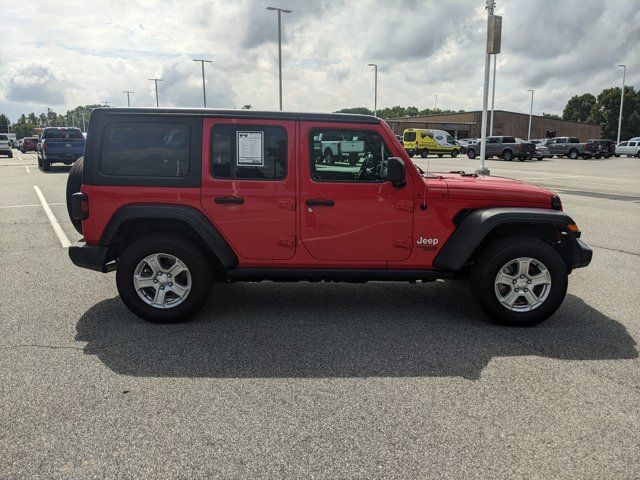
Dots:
pixel 27 169
pixel 64 240
pixel 30 205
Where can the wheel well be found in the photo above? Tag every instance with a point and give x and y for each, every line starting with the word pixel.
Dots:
pixel 547 233
pixel 133 229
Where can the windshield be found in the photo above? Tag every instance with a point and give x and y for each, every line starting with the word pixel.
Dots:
pixel 409 136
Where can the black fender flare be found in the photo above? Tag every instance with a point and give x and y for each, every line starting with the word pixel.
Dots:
pixel 477 224
pixel 191 216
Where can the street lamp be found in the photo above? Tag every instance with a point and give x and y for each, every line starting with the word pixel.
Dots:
pixel 128 92
pixel 155 81
pixel 530 114
pixel 280 12
pixel 204 90
pixel 624 73
pixel 375 88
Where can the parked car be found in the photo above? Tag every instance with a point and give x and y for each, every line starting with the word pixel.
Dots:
pixel 465 142
pixel 569 147
pixel 630 148
pixel 176 200
pixel 335 146
pixel 602 148
pixel 505 147
pixel 60 145
pixel 542 151
pixel 28 144
pixel 5 147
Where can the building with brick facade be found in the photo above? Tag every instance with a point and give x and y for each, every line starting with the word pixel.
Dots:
pixel 467 125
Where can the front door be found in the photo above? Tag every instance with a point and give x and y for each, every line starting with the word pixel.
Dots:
pixel 249 185
pixel 349 212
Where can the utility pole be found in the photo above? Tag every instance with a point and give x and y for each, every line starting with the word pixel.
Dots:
pixel 155 81
pixel 280 12
pixel 435 105
pixel 624 73
pixel 530 114
pixel 128 92
pixel 84 127
pixel 493 94
pixel 375 87
pixel 494 31
pixel 204 90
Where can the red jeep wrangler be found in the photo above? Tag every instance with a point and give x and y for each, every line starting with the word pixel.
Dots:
pixel 175 200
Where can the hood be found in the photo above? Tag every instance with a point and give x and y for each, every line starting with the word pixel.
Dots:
pixel 483 187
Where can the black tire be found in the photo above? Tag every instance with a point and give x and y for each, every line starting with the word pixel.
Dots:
pixel 498 254
pixel 539 158
pixel 424 153
pixel 10 155
pixel 46 165
pixel 573 155
pixel 596 156
pixel 328 157
pixel 74 182
pixel 471 153
pixel 189 253
pixel 507 155
pixel 454 153
pixel 353 159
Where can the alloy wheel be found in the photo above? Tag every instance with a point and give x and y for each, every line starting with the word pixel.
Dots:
pixel 522 284
pixel 162 280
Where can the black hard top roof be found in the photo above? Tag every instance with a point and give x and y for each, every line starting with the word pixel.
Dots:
pixel 212 112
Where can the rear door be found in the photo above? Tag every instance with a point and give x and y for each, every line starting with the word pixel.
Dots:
pixel 349 212
pixel 249 184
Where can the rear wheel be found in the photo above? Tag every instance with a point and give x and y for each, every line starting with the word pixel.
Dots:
pixel 328 157
pixel 454 153
pixel 163 279
pixel 471 153
pixel 519 281
pixel 74 182
pixel 507 155
pixel 424 153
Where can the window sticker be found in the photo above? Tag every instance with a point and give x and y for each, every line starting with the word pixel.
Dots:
pixel 250 148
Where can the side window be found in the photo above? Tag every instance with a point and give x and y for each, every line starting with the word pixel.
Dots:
pixel 493 140
pixel 632 144
pixel 508 140
pixel 623 144
pixel 249 152
pixel 361 157
pixel 146 149
pixel 574 140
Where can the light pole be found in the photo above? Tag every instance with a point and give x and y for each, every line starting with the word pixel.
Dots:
pixel 624 73
pixel 530 114
pixel 84 127
pixel 493 94
pixel 435 104
pixel 155 81
pixel 375 87
pixel 128 92
pixel 204 90
pixel 280 12
pixel 494 29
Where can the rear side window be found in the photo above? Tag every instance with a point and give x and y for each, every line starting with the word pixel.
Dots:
pixel 574 140
pixel 63 134
pixel 508 140
pixel 632 144
pixel 146 149
pixel 249 152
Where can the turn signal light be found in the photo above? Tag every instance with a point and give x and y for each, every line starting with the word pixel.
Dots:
pixel 572 227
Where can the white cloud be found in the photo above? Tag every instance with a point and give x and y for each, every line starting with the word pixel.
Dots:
pixel 89 52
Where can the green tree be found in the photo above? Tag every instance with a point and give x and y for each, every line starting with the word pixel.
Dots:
pixel 4 123
pixel 579 107
pixel 551 115
pixel 607 110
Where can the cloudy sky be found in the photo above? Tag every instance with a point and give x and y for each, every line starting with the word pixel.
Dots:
pixel 69 52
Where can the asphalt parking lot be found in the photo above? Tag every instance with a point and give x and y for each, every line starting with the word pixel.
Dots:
pixel 320 380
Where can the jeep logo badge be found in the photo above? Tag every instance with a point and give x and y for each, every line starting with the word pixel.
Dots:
pixel 427 243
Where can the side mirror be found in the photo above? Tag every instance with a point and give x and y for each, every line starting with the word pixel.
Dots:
pixel 396 171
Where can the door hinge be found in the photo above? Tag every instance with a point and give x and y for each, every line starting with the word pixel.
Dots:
pixel 402 242
pixel 287 241
pixel 405 205
pixel 287 203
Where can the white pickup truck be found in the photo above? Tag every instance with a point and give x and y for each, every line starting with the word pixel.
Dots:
pixel 5 146
pixel 336 146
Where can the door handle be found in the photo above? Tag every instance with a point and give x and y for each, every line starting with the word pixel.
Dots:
pixel 229 200
pixel 319 202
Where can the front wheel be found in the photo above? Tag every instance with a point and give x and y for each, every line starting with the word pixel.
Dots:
pixel 471 153
pixel 424 153
pixel 163 279
pixel 507 155
pixel 573 154
pixel 519 281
